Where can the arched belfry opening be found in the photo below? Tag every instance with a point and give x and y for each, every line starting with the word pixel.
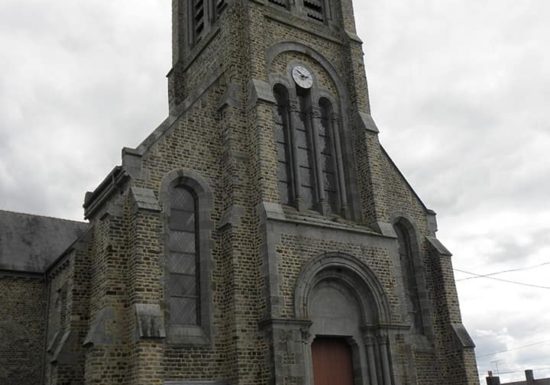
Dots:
pixel 347 308
pixel 311 132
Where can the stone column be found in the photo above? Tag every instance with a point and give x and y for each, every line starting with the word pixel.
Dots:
pixel 145 317
pixel 291 357
pixel 370 344
pixel 315 118
pixel 337 145
pixel 385 359
pixel 294 122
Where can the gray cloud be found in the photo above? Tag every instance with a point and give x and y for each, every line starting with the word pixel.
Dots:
pixel 467 82
pixel 75 89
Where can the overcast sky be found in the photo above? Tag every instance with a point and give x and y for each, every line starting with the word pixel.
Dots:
pixel 460 91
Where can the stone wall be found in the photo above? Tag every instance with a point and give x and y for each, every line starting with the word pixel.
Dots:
pixel 22 327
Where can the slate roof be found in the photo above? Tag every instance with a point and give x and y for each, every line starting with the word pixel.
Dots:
pixel 31 243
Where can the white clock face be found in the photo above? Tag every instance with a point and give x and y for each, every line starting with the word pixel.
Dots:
pixel 302 77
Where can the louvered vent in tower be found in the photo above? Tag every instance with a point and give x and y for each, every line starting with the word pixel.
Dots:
pixel 220 6
pixel 314 9
pixel 280 3
pixel 199 12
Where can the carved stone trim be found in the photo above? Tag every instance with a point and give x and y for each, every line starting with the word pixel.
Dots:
pixel 145 199
pixel 439 247
pixel 258 90
pixel 149 321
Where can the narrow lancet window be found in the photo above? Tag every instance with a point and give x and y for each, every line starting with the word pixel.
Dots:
pixel 305 151
pixel 284 145
pixel 408 269
pixel 182 258
pixel 328 158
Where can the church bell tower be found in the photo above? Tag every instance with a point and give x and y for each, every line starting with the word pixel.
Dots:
pixel 261 235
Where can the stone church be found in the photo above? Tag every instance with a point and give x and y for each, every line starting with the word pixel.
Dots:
pixel 260 235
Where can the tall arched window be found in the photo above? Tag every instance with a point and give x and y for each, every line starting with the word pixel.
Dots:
pixel 183 262
pixel 410 281
pixel 284 145
pixel 305 155
pixel 328 155
pixel 187 205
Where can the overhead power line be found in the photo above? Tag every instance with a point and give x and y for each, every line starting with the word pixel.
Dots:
pixel 523 370
pixel 503 280
pixel 516 348
pixel 504 271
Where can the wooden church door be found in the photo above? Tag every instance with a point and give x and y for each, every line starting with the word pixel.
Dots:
pixel 332 362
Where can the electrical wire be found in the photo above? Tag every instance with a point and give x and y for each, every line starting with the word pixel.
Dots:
pixel 522 370
pixel 516 348
pixel 503 280
pixel 504 271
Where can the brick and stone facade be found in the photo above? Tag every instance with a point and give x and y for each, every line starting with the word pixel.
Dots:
pixel 234 283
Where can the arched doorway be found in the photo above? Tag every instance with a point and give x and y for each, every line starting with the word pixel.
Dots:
pixel 332 361
pixel 346 305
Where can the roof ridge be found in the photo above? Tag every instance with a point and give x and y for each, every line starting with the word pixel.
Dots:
pixel 42 216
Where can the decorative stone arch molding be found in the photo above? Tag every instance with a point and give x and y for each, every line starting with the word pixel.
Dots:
pixel 342 105
pixel 342 297
pixel 279 48
pixel 344 200
pixel 201 333
pixel 189 177
pixel 409 223
pixel 352 273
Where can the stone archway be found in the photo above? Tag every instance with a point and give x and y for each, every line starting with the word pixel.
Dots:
pixel 343 299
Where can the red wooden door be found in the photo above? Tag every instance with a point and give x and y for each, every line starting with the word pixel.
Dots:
pixel 332 362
